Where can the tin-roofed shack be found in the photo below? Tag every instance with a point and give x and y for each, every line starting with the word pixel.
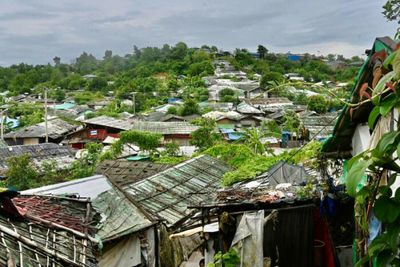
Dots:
pixel 99 128
pixel 46 231
pixel 165 192
pixel 258 218
pixel 35 134
pixel 127 236
pixel 39 154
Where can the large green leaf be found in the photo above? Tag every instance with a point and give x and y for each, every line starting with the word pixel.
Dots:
pixel 380 86
pixel 386 209
pixel 373 116
pixel 388 143
pixel 396 63
pixel 398 150
pixel 393 232
pixel 355 159
pixel 385 258
pixel 355 175
pixel 378 245
pixel 389 60
pixel 387 104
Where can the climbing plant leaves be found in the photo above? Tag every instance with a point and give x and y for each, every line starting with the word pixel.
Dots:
pixel 380 86
pixel 387 104
pixel 388 144
pixel 373 116
pixel 355 175
pixel 386 209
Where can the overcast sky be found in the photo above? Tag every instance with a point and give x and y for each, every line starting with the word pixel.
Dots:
pixel 34 31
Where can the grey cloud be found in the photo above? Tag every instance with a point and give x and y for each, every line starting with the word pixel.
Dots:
pixel 68 27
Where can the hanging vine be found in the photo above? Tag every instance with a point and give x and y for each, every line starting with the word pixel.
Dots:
pixel 372 172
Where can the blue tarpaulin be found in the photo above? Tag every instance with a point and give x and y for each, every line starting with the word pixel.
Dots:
pixel 234 136
pixel 227 131
pixel 11 123
pixel 64 106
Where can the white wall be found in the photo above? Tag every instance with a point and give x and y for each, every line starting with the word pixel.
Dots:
pixel 361 139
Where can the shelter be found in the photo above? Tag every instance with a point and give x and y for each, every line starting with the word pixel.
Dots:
pixel 103 126
pixel 35 134
pixel 257 218
pixel 46 231
pixel 39 154
pixel 283 173
pixel 122 225
pixel 166 194
pixel 350 122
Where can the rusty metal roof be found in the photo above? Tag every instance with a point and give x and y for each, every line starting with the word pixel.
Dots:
pixel 47 231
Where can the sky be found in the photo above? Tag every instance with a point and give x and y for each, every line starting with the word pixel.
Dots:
pixel 34 31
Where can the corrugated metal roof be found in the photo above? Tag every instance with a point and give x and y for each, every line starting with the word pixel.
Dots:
pixel 57 128
pixel 89 187
pixel 121 217
pixel 245 108
pixel 145 126
pixel 40 237
pixel 167 194
pixel 39 153
pixel 111 122
pixel 121 172
pixel 164 127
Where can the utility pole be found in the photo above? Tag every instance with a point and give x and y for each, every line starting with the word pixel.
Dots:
pixel 3 117
pixel 134 103
pixel 45 115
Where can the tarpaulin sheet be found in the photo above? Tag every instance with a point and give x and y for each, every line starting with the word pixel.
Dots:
pixel 124 253
pixel 248 240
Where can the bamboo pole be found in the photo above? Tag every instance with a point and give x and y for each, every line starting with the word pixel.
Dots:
pixel 56 225
pixel 34 245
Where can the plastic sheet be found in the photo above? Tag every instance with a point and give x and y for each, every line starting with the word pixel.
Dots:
pixel 248 240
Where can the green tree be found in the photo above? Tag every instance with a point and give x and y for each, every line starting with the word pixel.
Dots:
pixel 86 63
pixel 291 122
pixel 262 51
pixel 172 110
pixel 205 136
pixel 190 107
pixel 252 138
pixel 20 173
pixel 318 103
pixel 227 95
pixel 97 84
pixel 270 77
pixel 86 165
pixel 391 10
pixel 172 149
pixel 146 141
pixel 271 128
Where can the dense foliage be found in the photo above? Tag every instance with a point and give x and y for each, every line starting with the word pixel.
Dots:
pixel 247 164
pixel 20 173
pixel 206 136
pixel 369 170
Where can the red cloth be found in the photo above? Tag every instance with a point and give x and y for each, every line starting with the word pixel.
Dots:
pixel 321 232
